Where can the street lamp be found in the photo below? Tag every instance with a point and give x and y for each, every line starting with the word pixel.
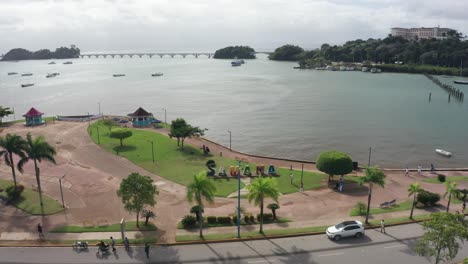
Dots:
pixel 98 140
pixel 302 176
pixel 99 104
pixel 89 120
pixel 61 192
pixel 152 148
pixel 165 115
pixel 230 134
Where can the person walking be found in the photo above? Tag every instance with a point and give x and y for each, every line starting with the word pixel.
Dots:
pixel 407 172
pixel 463 206
pixel 382 226
pixel 291 177
pixel 147 250
pixel 419 169
pixel 39 230
pixel 126 244
pixel 113 244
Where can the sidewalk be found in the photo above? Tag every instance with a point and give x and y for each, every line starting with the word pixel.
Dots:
pixel 21 236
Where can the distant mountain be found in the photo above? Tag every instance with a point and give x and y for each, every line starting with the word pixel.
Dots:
pixel 43 54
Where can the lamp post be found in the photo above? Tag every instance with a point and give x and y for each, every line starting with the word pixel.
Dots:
pixel 302 175
pixel 152 148
pixel 238 201
pixel 99 104
pixel 61 192
pixel 98 140
pixel 165 115
pixel 89 120
pixel 230 136
pixel 368 163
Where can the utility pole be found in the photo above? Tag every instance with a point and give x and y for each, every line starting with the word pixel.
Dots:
pixel 152 149
pixel 61 192
pixel 230 134
pixel 238 200
pixel 98 140
pixel 165 115
pixel 302 175
pixel 99 104
pixel 368 163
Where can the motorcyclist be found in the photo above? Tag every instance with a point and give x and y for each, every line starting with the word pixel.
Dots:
pixel 102 246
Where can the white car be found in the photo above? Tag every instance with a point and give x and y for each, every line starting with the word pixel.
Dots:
pixel 346 229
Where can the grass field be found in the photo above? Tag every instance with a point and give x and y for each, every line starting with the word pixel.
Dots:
pixel 29 201
pixel 406 205
pixel 129 226
pixel 447 179
pixel 180 165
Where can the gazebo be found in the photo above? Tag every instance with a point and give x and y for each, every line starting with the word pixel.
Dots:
pixel 33 117
pixel 141 118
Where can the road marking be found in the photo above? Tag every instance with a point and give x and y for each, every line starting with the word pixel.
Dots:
pixel 260 261
pixel 334 254
pixel 395 246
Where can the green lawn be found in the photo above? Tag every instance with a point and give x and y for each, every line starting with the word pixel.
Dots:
pixel 129 226
pixel 406 205
pixel 206 224
pixel 448 179
pixel 180 165
pixel 403 219
pixel 29 201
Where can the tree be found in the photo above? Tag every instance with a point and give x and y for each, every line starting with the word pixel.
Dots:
pixel 287 53
pixel 273 207
pixel 442 235
pixel 451 189
pixel 12 144
pixel 201 188
pixel 121 134
pixel 334 163
pixel 181 130
pixel 260 189
pixel 373 176
pixel 147 214
pixel 109 123
pixel 413 189
pixel 196 210
pixel 5 111
pixel 137 191
pixel 37 150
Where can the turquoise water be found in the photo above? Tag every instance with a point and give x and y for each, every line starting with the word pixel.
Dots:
pixel 271 108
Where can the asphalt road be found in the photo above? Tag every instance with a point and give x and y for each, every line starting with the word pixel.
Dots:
pixel 394 247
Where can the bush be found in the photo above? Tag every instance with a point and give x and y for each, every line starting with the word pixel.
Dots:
pixel 224 219
pixel 266 217
pixel 211 219
pixel 428 198
pixel 195 209
pixel 252 219
pixel 234 219
pixel 189 221
pixel 247 219
pixel 441 177
pixel 14 193
pixel 360 207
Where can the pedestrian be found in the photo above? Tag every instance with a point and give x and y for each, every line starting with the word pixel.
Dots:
pixel 463 206
pixel 407 172
pixel 127 244
pixel 291 177
pixel 301 189
pixel 147 250
pixel 39 230
pixel 340 188
pixel 432 167
pixel 113 244
pixel 419 169
pixel 382 226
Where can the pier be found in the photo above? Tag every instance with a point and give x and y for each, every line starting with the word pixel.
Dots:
pixel 452 91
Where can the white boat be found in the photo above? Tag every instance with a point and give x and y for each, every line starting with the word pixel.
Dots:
pixel 373 70
pixel 52 62
pixel 236 63
pixel 27 85
pixel 460 82
pixel 26 74
pixel 242 61
pixel 157 74
pixel 342 68
pixel 12 73
pixel 379 70
pixel 330 68
pixel 365 69
pixel 443 152
pixel 68 62
pixel 119 75
pixel 320 68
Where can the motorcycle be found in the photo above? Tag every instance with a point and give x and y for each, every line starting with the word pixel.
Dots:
pixel 80 245
pixel 102 249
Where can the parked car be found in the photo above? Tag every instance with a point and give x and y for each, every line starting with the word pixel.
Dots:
pixel 346 229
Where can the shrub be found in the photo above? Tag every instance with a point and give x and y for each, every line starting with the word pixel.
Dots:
pixel 247 219
pixel 266 217
pixel 252 218
pixel 441 177
pixel 14 193
pixel 224 219
pixel 234 219
pixel 211 219
pixel 360 207
pixel 189 221
pixel 195 209
pixel 428 198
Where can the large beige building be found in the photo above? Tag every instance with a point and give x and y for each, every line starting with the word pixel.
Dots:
pixel 421 33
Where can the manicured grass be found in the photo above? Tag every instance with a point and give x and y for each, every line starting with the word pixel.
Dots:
pixel 29 201
pixel 406 205
pixel 206 224
pixel 447 179
pixel 403 219
pixel 352 178
pixel 179 165
pixel 129 226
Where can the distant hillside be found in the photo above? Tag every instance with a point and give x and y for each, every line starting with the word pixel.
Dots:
pixel 241 52
pixel 43 54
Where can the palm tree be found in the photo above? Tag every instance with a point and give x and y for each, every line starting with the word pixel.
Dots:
pixel 413 189
pixel 373 176
pixel 37 150
pixel 261 189
pixel 451 188
pixel 201 188
pixel 12 144
pixel 147 214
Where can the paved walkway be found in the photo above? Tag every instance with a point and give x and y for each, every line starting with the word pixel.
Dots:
pixel 17 236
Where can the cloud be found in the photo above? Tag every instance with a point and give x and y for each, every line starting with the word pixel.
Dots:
pixel 206 25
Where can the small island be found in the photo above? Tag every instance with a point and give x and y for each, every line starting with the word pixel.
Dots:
pixel 232 52
pixel 43 54
pixel 287 53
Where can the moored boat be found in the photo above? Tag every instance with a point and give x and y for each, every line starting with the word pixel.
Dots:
pixel 68 62
pixel 236 63
pixel 50 75
pixel 12 73
pixel 26 74
pixel 373 70
pixel 443 152
pixel 119 75
pixel 27 85
pixel 460 82
pixel 52 62
pixel 365 69
pixel 157 74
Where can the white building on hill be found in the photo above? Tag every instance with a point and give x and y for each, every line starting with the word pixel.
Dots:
pixel 421 33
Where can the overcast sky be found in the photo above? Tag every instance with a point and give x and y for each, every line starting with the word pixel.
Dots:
pixel 206 25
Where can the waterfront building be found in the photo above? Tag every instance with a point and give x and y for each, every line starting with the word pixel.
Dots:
pixel 33 117
pixel 141 118
pixel 420 33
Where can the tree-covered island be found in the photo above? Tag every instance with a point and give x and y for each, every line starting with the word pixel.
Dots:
pixel 43 54
pixel 231 52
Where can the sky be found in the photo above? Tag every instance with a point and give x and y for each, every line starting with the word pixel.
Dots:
pixel 207 25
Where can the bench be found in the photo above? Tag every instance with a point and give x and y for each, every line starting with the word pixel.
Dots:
pixel 388 204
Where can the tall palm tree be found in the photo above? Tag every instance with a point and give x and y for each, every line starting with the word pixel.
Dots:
pixel 37 149
pixel 259 190
pixel 201 188
pixel 12 144
pixel 373 176
pixel 450 189
pixel 413 189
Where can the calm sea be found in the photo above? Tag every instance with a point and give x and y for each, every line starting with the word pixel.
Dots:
pixel 271 108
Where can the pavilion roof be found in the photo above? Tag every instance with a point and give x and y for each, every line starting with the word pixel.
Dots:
pixel 141 112
pixel 33 112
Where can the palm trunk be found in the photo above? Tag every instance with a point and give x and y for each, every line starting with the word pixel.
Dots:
pixel 121 144
pixel 138 217
pixel 261 217
pixel 200 224
pixel 412 207
pixel 368 203
pixel 13 168
pixel 274 214
pixel 38 179
pixel 146 221
pixel 182 143
pixel 448 204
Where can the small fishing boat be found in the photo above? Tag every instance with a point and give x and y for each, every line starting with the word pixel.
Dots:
pixel 242 61
pixel 236 63
pixel 364 69
pixel 27 85
pixel 52 62
pixel 26 74
pixel 56 73
pixel 443 152
pixel 373 70
pixel 50 75
pixel 157 74
pixel 119 75
pixel 460 82
pixel 12 73
pixel 68 62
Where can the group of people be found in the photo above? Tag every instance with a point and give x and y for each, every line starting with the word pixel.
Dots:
pixel 104 247
pixel 419 169
pixel 206 150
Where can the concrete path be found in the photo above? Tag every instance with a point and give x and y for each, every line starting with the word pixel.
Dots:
pixel 21 236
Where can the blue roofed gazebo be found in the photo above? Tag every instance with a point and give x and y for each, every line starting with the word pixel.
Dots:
pixel 141 118
pixel 33 117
